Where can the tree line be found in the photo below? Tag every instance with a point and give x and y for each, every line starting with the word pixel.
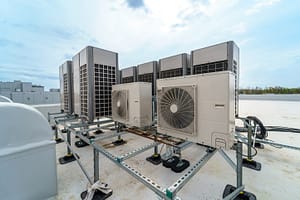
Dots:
pixel 270 90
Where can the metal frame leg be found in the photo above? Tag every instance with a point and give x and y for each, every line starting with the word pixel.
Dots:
pixel 249 162
pixel 96 165
pixel 155 158
pixel 231 192
pixel 119 140
pixel 69 157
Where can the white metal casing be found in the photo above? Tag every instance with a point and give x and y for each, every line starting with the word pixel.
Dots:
pixel 214 101
pixel 139 104
pixel 27 154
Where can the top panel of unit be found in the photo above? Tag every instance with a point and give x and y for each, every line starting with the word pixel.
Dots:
pixel 147 68
pixel 173 62
pixel 218 52
pixel 127 72
pixel 99 56
pixel 105 57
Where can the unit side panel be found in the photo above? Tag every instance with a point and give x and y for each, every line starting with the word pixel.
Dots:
pixel 76 84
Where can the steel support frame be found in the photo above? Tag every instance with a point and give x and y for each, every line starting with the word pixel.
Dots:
pixel 169 193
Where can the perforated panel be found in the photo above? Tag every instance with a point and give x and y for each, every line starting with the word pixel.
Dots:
pixel 171 73
pixel 83 90
pixel 66 93
pixel 105 77
pixel 129 79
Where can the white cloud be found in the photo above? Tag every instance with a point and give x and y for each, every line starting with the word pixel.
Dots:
pixel 259 5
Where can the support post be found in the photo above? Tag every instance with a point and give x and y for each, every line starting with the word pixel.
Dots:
pixel 231 192
pixel 155 158
pixel 69 157
pixel 239 166
pixel 119 141
pixel 249 162
pixel 96 165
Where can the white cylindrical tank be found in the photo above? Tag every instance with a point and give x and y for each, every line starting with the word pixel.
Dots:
pixel 27 154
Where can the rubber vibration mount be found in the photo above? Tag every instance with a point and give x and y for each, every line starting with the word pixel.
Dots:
pixel 82 143
pixel 170 162
pixel 155 159
pixel 53 127
pixel 67 158
pixel 258 145
pixel 59 140
pixel 180 166
pixel 64 130
pixel 119 142
pixel 242 196
pixel 251 164
pixel 98 195
pixel 97 132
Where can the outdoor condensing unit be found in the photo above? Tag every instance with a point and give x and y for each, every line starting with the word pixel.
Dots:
pixel 219 57
pixel 148 72
pixel 173 66
pixel 66 86
pixel 95 71
pixel 132 104
pixel 128 75
pixel 198 108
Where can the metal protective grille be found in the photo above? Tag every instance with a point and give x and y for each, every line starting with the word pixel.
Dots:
pixel 83 90
pixel 171 73
pixel 66 93
pixel 211 67
pixel 129 79
pixel 105 77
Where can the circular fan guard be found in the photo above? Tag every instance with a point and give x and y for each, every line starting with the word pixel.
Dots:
pixel 177 108
pixel 120 103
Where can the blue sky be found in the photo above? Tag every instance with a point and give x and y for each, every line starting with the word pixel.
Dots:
pixel 38 35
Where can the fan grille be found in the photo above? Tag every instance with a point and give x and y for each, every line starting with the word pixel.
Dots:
pixel 177 108
pixel 120 103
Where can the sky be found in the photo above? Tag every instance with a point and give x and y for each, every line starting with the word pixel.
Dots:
pixel 37 36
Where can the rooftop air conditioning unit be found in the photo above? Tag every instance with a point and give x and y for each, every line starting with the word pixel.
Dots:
pixel 95 70
pixel 148 72
pixel 173 66
pixel 128 75
pixel 198 108
pixel 132 104
pixel 66 86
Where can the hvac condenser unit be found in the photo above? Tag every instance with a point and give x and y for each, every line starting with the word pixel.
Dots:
pixel 173 66
pixel 132 104
pixel 66 87
pixel 148 72
pixel 95 71
pixel 198 108
pixel 128 75
pixel 219 57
